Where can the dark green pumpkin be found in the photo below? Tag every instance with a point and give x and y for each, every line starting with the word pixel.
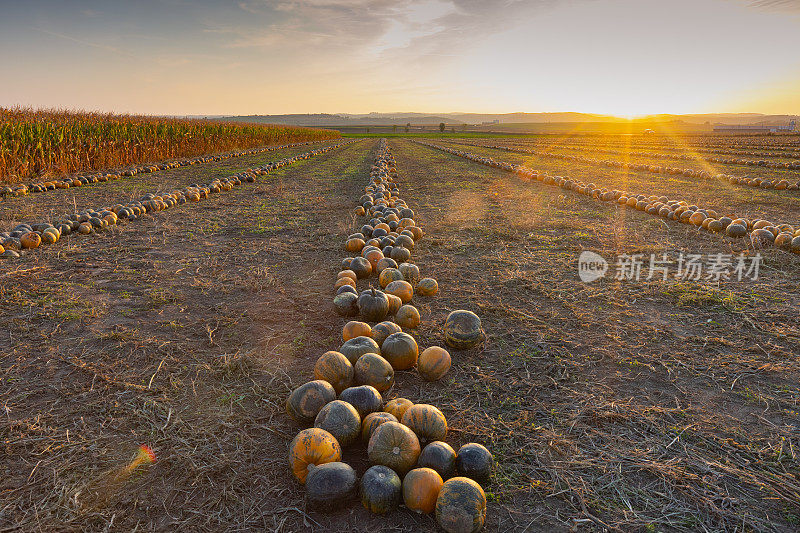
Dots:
pixel 372 369
pixel 401 350
pixel 461 506
pixel 381 331
pixel 373 305
pixel 346 303
pixel 365 398
pixel 305 402
pixel 381 489
pixel 358 346
pixel 329 486
pixel 462 330
pixel 341 420
pixel 441 457
pixel 475 462
pixel 361 267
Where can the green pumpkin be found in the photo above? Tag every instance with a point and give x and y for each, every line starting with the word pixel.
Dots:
pixel 461 506
pixel 373 305
pixel 381 489
pixel 462 330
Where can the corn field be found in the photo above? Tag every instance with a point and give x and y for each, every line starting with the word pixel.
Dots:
pixel 54 142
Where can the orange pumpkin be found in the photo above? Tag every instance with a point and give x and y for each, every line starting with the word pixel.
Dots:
pixel 372 421
pixel 401 289
pixel 354 329
pixel 421 488
pixel 334 368
pixel 344 281
pixel 427 287
pixel 348 273
pixel 461 506
pixel 354 245
pixel 407 317
pixel 388 275
pixel 30 240
pixel 426 421
pixel 374 256
pixel 382 330
pixel 312 447
pixel 398 407
pixel 433 363
pixel 395 303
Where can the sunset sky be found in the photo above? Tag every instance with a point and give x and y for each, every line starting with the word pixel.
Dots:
pixel 621 57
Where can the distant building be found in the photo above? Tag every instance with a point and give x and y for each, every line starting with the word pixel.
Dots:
pixel 648 131
pixel 490 122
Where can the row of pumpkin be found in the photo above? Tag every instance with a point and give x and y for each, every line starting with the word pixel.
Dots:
pixel 762 233
pixel 66 182
pixel 29 236
pixel 411 461
pixel 687 153
pixel 778 184
pixel 728 147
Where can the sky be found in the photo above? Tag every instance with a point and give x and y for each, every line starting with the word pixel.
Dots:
pixel 197 57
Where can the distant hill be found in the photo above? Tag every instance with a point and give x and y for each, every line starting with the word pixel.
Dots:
pixel 453 119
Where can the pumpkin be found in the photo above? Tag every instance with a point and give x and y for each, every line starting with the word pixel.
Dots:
pixel 462 330
pixel 421 487
pixel 354 329
pixel 383 264
pixel 426 421
pixel 329 486
pixel 404 241
pixel 346 303
pixel 401 289
pixel 372 421
pixel 30 240
pixel 372 369
pixel 344 281
pixel 312 447
pixel 373 305
pixel 474 461
pixel 407 317
pixel 373 256
pixel 398 407
pixel 354 245
pixel 461 506
pixel 416 231
pixel 400 254
pixel 394 445
pixel 736 230
pixel 440 456
pixel 381 331
pixel 401 350
pixel 365 398
pixel 388 275
pixel 341 420
pixel 348 273
pixel 346 288
pixel 381 489
pixel 305 402
pixel 395 303
pixel 334 368
pixel 427 287
pixel 361 267
pixel 433 363
pixel 410 273
pixel 346 263
pixel 358 346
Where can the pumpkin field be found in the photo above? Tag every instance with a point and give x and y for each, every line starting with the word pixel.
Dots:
pixel 320 333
